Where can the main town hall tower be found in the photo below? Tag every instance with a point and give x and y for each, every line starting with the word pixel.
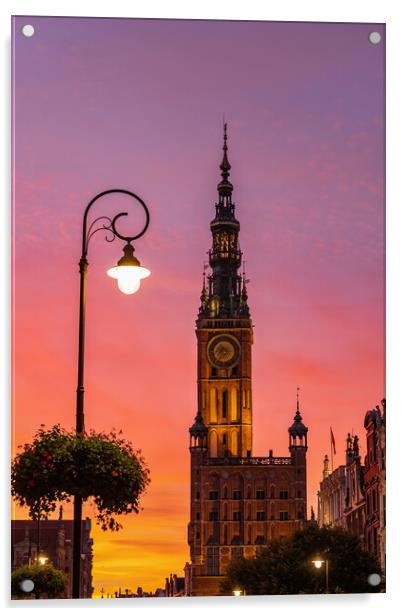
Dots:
pixel 238 502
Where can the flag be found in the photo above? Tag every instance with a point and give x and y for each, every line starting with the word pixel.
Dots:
pixel 332 440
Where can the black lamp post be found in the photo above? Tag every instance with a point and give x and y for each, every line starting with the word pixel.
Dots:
pixel 128 273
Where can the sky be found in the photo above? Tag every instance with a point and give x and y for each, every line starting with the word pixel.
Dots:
pixel 139 104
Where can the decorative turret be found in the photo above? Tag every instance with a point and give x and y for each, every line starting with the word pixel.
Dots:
pixel 198 433
pixel 326 471
pixel 356 452
pixel 298 431
pixel 349 448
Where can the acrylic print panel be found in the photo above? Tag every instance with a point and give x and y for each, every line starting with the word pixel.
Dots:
pixel 233 365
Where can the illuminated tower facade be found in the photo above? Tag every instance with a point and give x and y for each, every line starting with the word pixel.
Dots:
pixel 238 502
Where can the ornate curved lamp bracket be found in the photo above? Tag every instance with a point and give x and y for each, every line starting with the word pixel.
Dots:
pixel 109 224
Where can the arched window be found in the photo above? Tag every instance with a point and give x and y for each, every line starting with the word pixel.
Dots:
pixel 225 403
pixel 212 405
pixel 234 445
pixel 213 444
pixel 233 404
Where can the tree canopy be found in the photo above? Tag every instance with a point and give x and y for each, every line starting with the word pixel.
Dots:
pixel 285 566
pixel 59 464
pixel 48 582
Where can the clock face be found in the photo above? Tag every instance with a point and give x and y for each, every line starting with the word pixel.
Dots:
pixel 223 351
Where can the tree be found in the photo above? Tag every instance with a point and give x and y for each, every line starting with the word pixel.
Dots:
pixel 59 464
pixel 48 581
pixel 285 566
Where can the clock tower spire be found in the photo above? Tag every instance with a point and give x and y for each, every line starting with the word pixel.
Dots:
pixel 225 296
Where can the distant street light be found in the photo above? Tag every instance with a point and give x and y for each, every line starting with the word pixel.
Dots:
pixel 239 592
pixel 42 559
pixel 128 272
pixel 318 563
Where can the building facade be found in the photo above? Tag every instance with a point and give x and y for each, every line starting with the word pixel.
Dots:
pixel 55 543
pixel 362 487
pixel 238 502
pixel 374 483
pixel 355 510
pixel 331 496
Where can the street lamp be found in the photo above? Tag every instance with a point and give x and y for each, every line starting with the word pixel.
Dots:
pixel 128 272
pixel 318 563
pixel 239 592
pixel 42 560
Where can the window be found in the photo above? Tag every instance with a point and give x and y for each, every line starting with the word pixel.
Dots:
pixel 300 515
pixel 236 516
pixel 237 552
pixel 197 515
pixel 224 439
pixel 236 494
pixel 197 495
pixel 283 494
pixel 272 491
pixel 260 494
pixel 283 515
pixel 197 536
pixel 225 492
pixel 212 405
pixel 260 515
pixel 213 495
pixel 213 561
pixel 299 494
pixel 213 516
pixel 225 403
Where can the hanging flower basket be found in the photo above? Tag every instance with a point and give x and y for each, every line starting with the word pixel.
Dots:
pixel 59 464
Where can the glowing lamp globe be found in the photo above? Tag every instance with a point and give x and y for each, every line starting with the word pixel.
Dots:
pixel 128 272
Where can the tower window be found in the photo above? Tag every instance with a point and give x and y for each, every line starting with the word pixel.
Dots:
pixel 213 495
pixel 260 494
pixel 283 494
pixel 225 403
pixel 260 515
pixel 213 516
pixel 197 515
pixel 299 494
pixel 236 494
pixel 236 516
pixel 213 561
pixel 283 515
pixel 224 438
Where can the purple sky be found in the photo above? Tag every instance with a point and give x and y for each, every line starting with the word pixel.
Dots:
pixel 139 104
